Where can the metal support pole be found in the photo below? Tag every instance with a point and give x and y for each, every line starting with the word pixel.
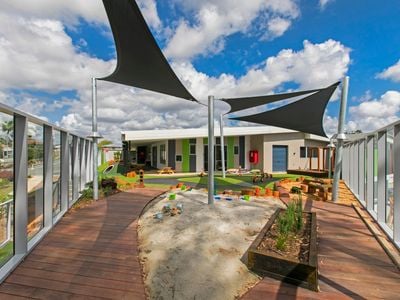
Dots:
pixel 210 149
pixel 221 123
pixel 329 162
pixel 94 134
pixel 340 139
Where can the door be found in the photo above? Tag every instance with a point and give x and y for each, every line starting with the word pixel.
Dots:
pixel 154 155
pixel 279 158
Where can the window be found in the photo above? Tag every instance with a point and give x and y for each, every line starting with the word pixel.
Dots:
pixel 218 141
pixel 178 158
pixel 192 146
pixel 35 179
pixel 56 172
pixel 306 152
pixel 303 152
pixel 6 188
pixel 236 150
pixel 192 149
pixel 163 154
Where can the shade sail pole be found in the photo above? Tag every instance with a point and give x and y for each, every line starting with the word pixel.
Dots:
pixel 94 135
pixel 221 124
pixel 210 150
pixel 340 140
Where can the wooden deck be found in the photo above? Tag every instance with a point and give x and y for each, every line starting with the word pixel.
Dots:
pixel 90 254
pixel 352 264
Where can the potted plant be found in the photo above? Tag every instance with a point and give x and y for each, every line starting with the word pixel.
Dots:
pixel 286 248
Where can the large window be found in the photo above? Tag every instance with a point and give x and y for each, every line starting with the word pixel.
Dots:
pixel 35 179
pixel 56 172
pixel 6 187
pixel 389 177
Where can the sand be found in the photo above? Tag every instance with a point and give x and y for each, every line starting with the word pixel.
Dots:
pixel 197 254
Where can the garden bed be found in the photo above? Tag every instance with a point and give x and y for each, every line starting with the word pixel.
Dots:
pixel 297 263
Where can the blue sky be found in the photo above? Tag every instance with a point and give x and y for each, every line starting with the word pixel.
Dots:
pixel 50 49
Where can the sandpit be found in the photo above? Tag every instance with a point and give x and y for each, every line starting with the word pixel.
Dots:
pixel 197 254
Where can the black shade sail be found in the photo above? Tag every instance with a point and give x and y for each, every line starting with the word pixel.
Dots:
pixel 140 61
pixel 305 115
pixel 249 102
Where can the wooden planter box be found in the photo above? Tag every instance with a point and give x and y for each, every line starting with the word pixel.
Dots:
pixel 276 266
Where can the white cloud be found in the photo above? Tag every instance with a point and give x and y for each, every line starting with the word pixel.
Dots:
pixel 277 27
pixel 215 20
pixel 324 3
pixel 68 12
pixel 376 113
pixel 392 73
pixel 38 54
pixel 150 13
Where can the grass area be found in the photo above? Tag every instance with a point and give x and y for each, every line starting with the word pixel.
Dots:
pixel 5 190
pixel 235 180
pixel 6 252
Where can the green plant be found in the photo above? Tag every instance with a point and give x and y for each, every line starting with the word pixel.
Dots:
pixel 107 190
pixel 295 190
pixel 299 213
pixel 87 193
pixel 281 242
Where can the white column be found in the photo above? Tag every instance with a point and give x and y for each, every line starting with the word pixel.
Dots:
pixel 94 134
pixel 64 171
pixel 20 185
pixel 211 150
pixel 396 185
pixel 340 139
pixel 221 123
pixel 361 170
pixel 48 177
pixel 381 213
pixel 370 173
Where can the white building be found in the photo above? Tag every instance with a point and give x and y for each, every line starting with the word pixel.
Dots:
pixel 185 150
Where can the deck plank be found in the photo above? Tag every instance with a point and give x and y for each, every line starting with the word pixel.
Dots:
pixel 352 264
pixel 90 254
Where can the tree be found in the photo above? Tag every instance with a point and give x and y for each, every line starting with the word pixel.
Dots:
pixel 104 143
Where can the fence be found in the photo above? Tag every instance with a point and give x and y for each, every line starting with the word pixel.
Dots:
pixel 43 169
pixel 371 169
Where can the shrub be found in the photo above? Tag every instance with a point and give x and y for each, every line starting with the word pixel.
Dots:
pixel 281 242
pixel 108 183
pixel 295 190
pixel 299 213
pixel 87 193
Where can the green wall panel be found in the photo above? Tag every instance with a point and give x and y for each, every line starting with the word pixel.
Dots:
pixel 185 155
pixel 230 152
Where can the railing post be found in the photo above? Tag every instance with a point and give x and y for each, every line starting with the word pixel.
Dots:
pixel 221 123
pixel 21 185
pixel 48 177
pixel 340 140
pixel 210 149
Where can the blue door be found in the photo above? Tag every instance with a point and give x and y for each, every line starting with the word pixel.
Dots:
pixel 279 158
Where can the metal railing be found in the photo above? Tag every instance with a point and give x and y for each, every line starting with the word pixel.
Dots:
pixel 371 169
pixel 74 153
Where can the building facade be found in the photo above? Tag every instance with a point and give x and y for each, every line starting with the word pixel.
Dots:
pixel 271 149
